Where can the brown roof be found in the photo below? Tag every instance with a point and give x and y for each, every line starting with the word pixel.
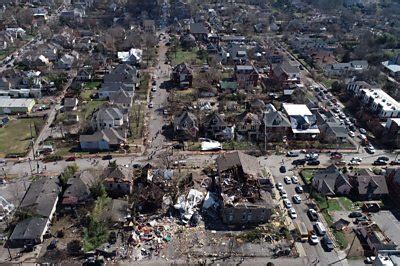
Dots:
pixel 248 163
pixel 117 175
pixel 368 183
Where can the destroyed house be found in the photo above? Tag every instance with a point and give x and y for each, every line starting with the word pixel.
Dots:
pixel 245 197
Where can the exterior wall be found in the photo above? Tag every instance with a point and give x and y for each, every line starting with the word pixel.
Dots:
pixel 245 215
pixel 119 188
pixel 100 145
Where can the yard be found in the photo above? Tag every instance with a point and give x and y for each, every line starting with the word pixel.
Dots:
pixel 15 136
pixel 307 175
pixel 88 90
pixel 141 92
pixel 183 56
pixel 137 121
pixel 89 107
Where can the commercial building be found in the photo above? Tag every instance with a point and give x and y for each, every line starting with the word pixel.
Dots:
pixel 16 106
pixel 303 122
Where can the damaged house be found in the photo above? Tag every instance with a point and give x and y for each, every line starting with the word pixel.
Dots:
pixel 245 197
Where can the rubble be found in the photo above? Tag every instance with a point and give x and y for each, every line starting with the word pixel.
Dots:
pixel 187 205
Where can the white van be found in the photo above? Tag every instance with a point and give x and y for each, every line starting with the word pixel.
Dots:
pixel 320 228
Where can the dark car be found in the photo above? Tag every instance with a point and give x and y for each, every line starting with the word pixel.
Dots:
pixel 70 159
pixel 395 162
pixel 282 169
pixel 383 158
pixel 361 219
pixel 299 162
pixel 299 189
pixel 336 155
pixel 313 162
pixel 327 243
pixel 355 214
pixel 112 238
pixel 371 207
pixel 312 214
pixel 379 162
pixel 292 154
pixel 107 157
pixel 53 244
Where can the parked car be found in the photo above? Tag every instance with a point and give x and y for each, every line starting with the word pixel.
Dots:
pixel 371 207
pixel 287 203
pixel 370 260
pixel 314 239
pixel 336 155
pixel 312 156
pixel 355 214
pixel 395 162
pixel 70 159
pixel 107 157
pixel 354 163
pixel 282 169
pixel 361 219
pixel 357 159
pixel 292 154
pixel 363 131
pixel 279 186
pixel 379 162
pixel 313 162
pixel 299 162
pixel 340 163
pixel 287 180
pixel 283 194
pixel 52 245
pixel 295 180
pixel 296 199
pixel 370 149
pixel 383 158
pixel 151 105
pixel 327 243
pixel 299 189
pixel 292 213
pixel 312 214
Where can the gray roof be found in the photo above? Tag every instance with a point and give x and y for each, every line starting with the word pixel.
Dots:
pixel 119 174
pixel 41 196
pixel 108 113
pixel 29 229
pixel 110 135
pixel 339 130
pixel 115 86
pixel 79 186
pixel 120 97
pixel 122 73
pixel 368 183
pixel 185 116
pixel 329 179
pixel 198 28
pixel 249 164
pixel 276 119
pixel 70 102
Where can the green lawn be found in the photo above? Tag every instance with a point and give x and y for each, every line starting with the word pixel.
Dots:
pixel 328 82
pixel 92 85
pixel 346 203
pixel 307 175
pixel 141 92
pixel 15 136
pixel 234 145
pixel 89 107
pixel 183 56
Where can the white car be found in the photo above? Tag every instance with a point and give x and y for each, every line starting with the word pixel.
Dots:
pixel 370 149
pixel 314 239
pixel 287 203
pixel 295 180
pixel 151 105
pixel 292 213
pixel 279 186
pixel 287 180
pixel 154 88
pixel 354 163
pixel 312 156
pixel 363 131
pixel 357 159
pixel 351 134
pixel 296 199
pixel 283 194
pixel 165 112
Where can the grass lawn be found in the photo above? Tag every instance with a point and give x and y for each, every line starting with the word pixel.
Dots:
pixel 15 136
pixel 137 121
pixel 328 82
pixel 233 145
pixel 183 56
pixel 307 175
pixel 346 203
pixel 340 239
pixel 92 85
pixel 141 92
pixel 89 107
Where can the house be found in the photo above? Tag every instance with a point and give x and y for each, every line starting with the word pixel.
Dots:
pixel 374 239
pixel 393 67
pixel 188 41
pixel 217 128
pixel 248 125
pixel 70 104
pixel 331 181
pixel 286 72
pixel 376 100
pixel 85 74
pixel 393 182
pixel 39 202
pixel 303 122
pixel 245 200
pixel 124 77
pixel 368 186
pixel 16 106
pixel 108 117
pixel 333 132
pixel 149 26
pixel 78 190
pixel 186 126
pixel 246 76
pixel 346 69
pixel 274 126
pixel 66 62
pixel 182 75
pixel 391 132
pixel 199 31
pixel 16 32
pixel 118 180
pixel 121 99
pixel 104 140
pixel 131 57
